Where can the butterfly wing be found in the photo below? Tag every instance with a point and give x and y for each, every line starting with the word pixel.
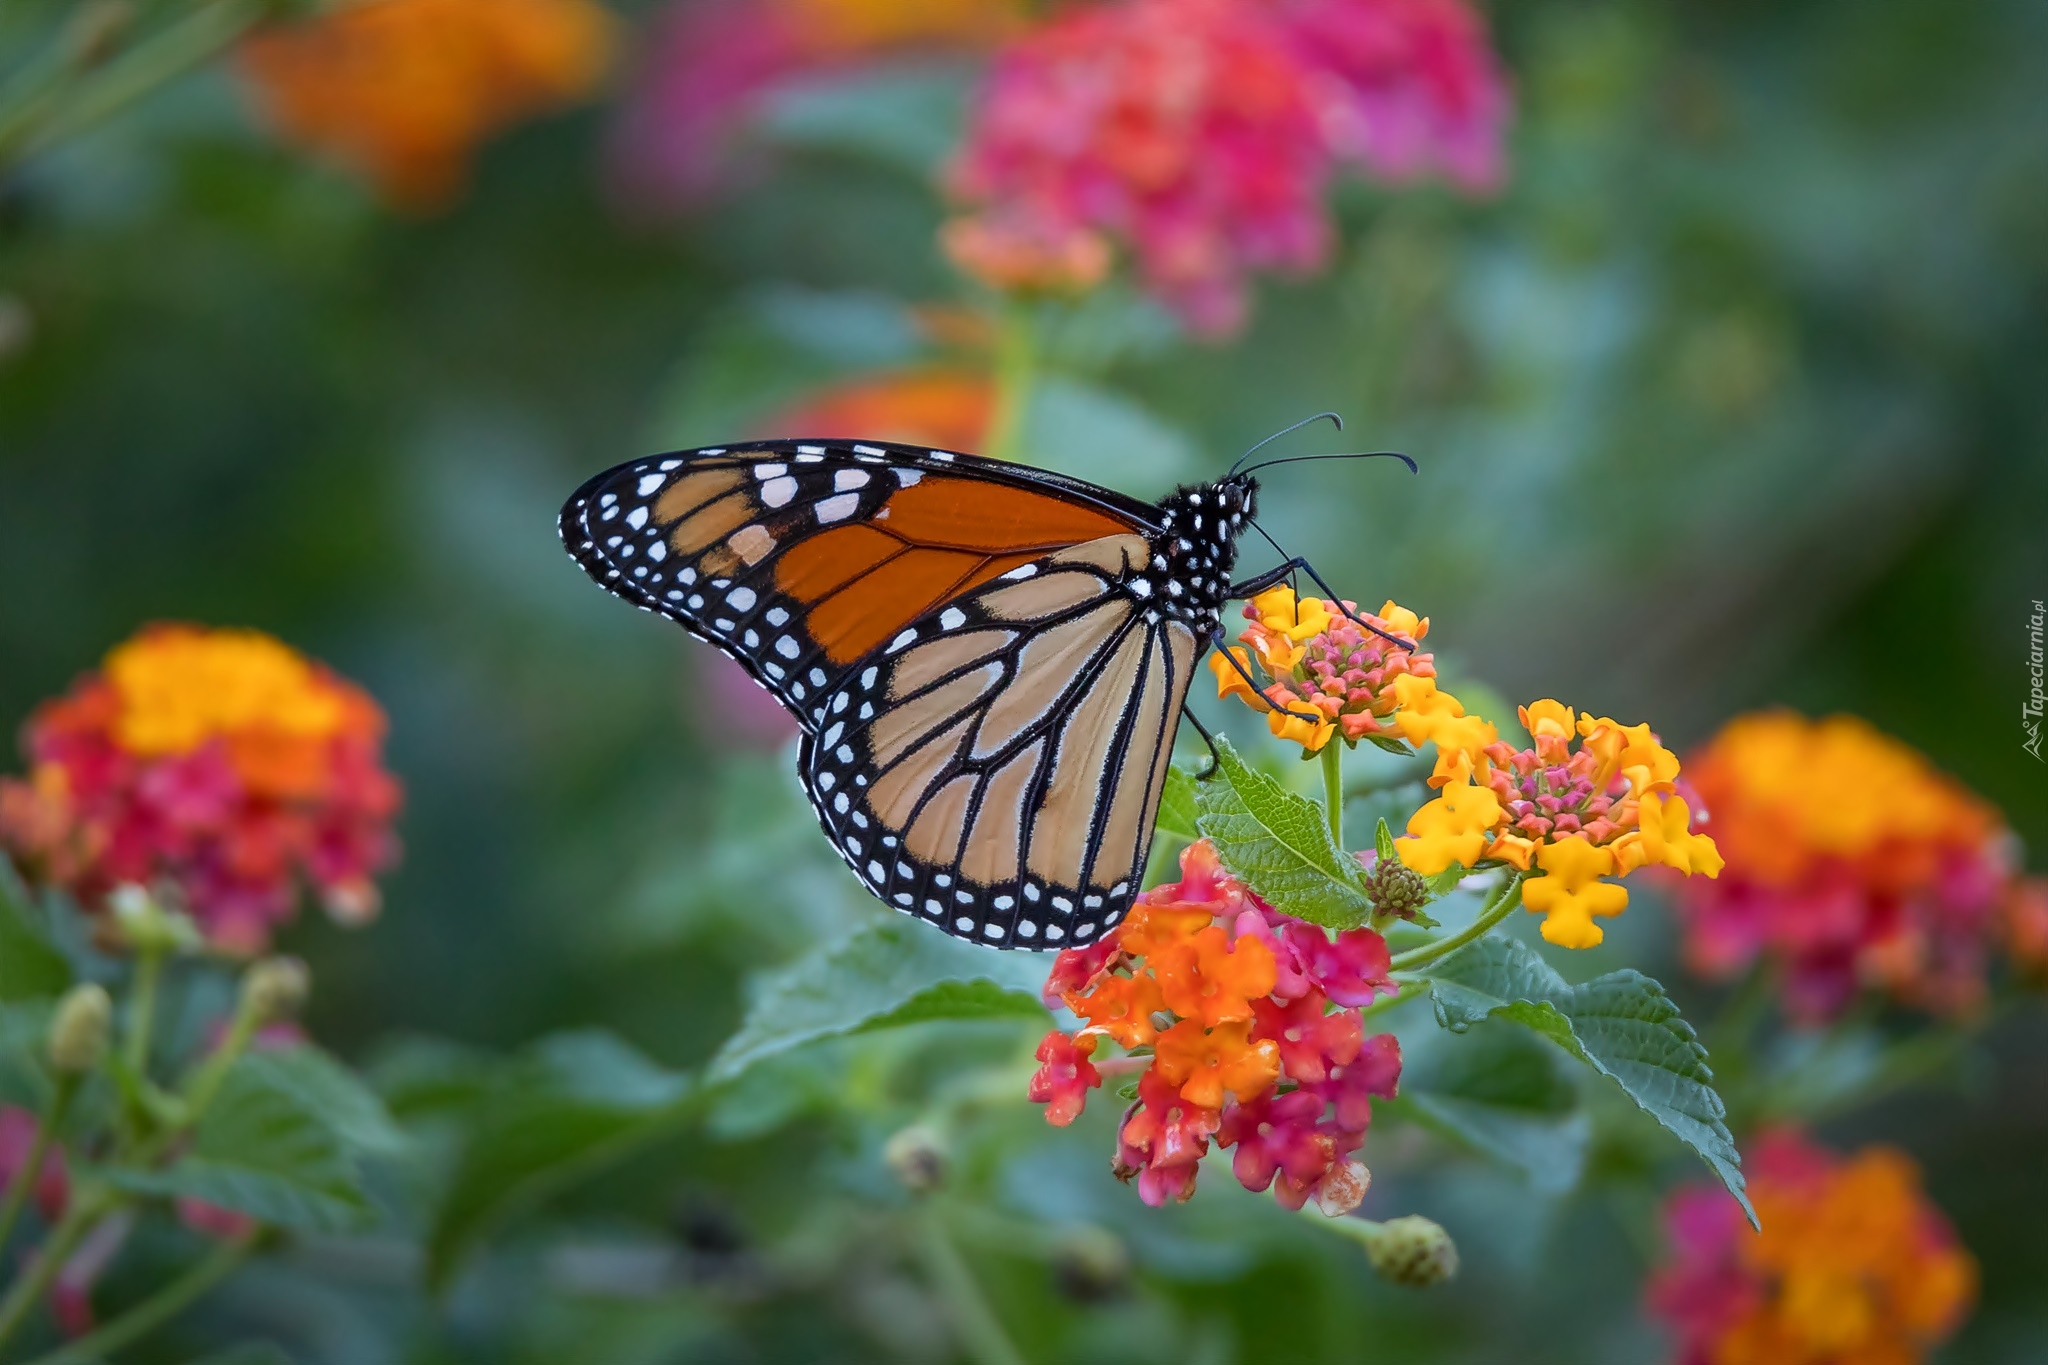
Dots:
pixel 997 766
pixel 799 559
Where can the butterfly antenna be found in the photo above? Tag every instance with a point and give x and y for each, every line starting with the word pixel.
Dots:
pixel 1337 421
pixel 1413 468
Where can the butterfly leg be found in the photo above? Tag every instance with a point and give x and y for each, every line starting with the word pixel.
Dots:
pixel 1260 582
pixel 1188 714
pixel 1223 647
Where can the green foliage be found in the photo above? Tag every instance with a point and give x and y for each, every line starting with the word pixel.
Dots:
pixel 280 1143
pixel 894 973
pixel 1179 809
pixel 1279 844
pixel 31 968
pixel 571 1104
pixel 1622 1025
pixel 1498 1093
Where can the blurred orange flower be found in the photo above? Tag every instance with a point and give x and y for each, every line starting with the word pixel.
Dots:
pixel 402 90
pixel 943 409
pixel 1853 1267
pixel 1851 859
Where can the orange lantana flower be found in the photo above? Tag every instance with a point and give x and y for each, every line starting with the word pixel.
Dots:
pixel 1208 978
pixel 1206 1063
pixel 402 90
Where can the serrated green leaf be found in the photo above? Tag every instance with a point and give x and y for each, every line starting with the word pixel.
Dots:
pixel 890 974
pixel 263 1150
pixel 564 1110
pixel 1280 845
pixel 1622 1025
pixel 1498 1092
pixel 31 968
pixel 1178 814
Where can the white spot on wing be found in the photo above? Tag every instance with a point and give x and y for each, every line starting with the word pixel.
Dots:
pixel 838 508
pixel 778 492
pixel 648 483
pixel 846 480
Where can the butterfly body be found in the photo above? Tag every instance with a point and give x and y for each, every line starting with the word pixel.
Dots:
pixel 988 661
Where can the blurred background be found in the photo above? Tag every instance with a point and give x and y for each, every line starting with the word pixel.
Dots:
pixel 1725 388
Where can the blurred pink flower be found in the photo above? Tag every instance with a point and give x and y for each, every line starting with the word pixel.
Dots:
pixel 710 65
pixel 1202 134
pixel 735 710
pixel 1404 87
pixel 1179 126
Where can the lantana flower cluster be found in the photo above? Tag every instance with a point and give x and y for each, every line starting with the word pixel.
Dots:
pixel 403 90
pixel 1590 800
pixel 1852 864
pixel 1202 135
pixel 1244 1026
pixel 220 765
pixel 1318 660
pixel 1854 1265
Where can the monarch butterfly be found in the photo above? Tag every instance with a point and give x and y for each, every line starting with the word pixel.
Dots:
pixel 988 660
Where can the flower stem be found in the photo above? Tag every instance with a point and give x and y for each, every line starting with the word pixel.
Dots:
pixel 1016 377
pixel 41 113
pixel 33 1283
pixel 981 1334
pixel 149 962
pixel 1333 788
pixel 1409 990
pixel 1492 913
pixel 160 1307
pixel 46 1134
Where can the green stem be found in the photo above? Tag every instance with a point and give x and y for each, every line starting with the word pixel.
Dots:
pixel 1333 788
pixel 206 1081
pixel 46 1134
pixel 149 962
pixel 159 1308
pixel 1409 990
pixel 36 118
pixel 29 1289
pixel 1016 377
pixel 981 1334
pixel 1496 910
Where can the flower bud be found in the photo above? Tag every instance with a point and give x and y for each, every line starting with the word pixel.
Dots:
pixel 1090 1264
pixel 1395 889
pixel 275 989
pixel 143 925
pixel 1412 1251
pixel 79 1030
pixel 918 1158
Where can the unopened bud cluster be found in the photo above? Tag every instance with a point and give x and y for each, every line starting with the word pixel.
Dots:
pixel 1412 1251
pixel 80 1029
pixel 1395 890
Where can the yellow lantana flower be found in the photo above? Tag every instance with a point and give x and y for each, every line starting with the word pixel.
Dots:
pixel 1454 828
pixel 1571 895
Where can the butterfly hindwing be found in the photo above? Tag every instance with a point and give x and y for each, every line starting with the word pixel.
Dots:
pixel 997 766
pixel 799 559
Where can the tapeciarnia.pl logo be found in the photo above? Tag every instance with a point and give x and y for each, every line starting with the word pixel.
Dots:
pixel 2030 712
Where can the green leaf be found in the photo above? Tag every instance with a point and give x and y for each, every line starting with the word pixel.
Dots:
pixel 1280 845
pixel 24 1043
pixel 1178 814
pixel 893 973
pixel 573 1105
pixel 1391 745
pixel 1498 1093
pixel 1446 881
pixel 263 1149
pixel 1622 1025
pixel 31 968
pixel 349 1108
pixel 1383 844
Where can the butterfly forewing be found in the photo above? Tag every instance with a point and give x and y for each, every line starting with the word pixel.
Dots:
pixel 801 558
pixel 996 769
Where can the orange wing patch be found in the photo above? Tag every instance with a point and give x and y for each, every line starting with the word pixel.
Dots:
pixel 931 541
